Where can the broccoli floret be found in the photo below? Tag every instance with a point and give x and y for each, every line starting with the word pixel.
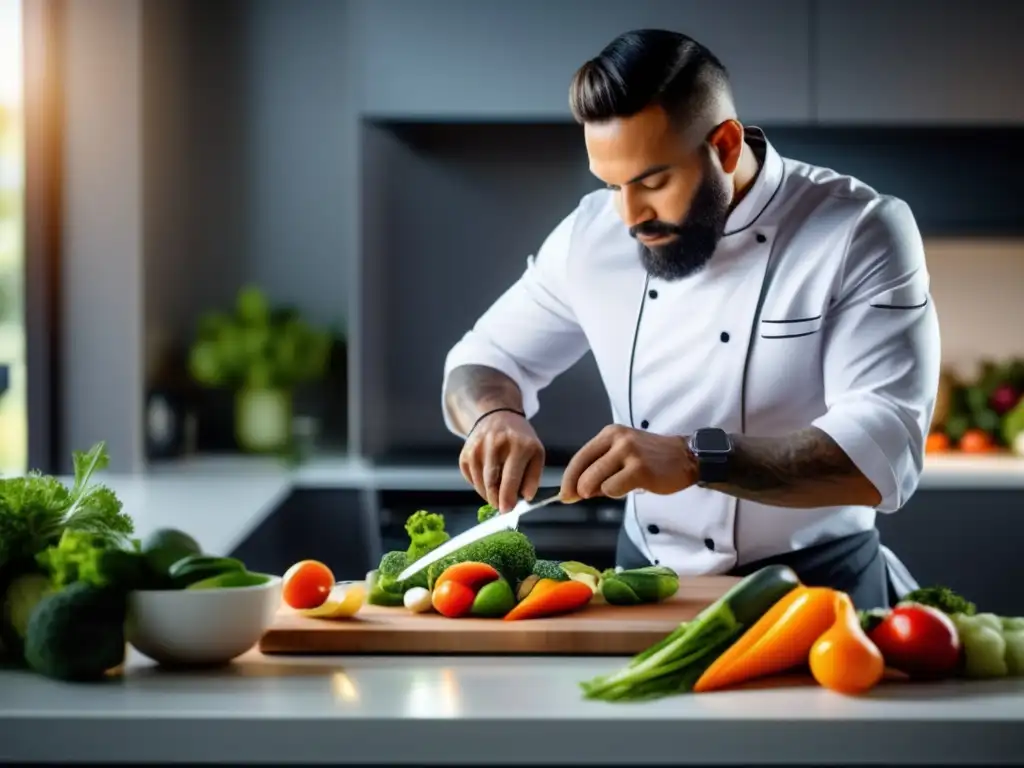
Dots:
pixel 942 598
pixel 426 532
pixel 510 552
pixel 392 564
pixel 486 512
pixel 549 569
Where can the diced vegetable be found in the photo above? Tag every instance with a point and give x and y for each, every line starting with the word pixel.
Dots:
pixel 779 641
pixel 844 659
pixel 551 598
pixel 675 663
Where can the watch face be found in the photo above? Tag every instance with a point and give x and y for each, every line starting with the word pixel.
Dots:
pixel 712 441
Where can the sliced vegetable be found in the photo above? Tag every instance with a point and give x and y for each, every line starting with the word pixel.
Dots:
pixel 344 602
pixel 779 641
pixel 307 584
pixel 453 599
pixel 551 598
pixel 583 573
pixel 494 600
pixel 472 575
pixel 918 640
pixel 844 659
pixel 418 600
pixel 674 664
pixel 637 586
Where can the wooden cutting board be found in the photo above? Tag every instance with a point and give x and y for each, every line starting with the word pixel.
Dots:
pixel 598 629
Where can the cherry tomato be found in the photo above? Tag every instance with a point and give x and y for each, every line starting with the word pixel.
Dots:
pixel 307 584
pixel 976 441
pixel 937 442
pixel 918 640
pixel 452 599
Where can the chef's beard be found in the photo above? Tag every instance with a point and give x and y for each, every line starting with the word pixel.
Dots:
pixel 695 238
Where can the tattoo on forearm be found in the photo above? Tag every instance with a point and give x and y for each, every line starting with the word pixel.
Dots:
pixel 804 469
pixel 475 389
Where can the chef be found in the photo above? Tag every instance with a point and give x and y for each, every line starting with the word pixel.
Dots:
pixel 763 328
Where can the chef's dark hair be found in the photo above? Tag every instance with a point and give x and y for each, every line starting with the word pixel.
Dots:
pixel 645 67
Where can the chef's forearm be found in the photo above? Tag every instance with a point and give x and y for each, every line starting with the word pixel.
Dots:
pixel 805 469
pixel 472 390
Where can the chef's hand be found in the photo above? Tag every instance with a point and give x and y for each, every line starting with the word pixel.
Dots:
pixel 620 460
pixel 503 459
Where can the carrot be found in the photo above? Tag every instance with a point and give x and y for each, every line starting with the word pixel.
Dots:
pixel 550 598
pixel 779 641
pixel 844 659
pixel 472 575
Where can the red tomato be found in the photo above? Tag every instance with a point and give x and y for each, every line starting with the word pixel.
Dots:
pixel 307 584
pixel 452 599
pixel 918 640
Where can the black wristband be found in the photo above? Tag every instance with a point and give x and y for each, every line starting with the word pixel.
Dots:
pixel 491 412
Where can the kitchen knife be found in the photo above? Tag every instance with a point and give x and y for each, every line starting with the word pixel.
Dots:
pixel 507 522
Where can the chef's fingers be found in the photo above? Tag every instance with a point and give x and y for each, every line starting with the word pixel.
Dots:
pixel 532 475
pixel 474 461
pixel 590 482
pixel 493 460
pixel 466 466
pixel 584 457
pixel 512 478
pixel 622 482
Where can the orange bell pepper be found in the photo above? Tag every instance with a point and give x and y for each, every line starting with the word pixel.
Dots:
pixel 551 598
pixel 779 641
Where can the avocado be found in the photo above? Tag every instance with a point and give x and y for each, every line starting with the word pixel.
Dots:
pixel 77 634
pixel 166 546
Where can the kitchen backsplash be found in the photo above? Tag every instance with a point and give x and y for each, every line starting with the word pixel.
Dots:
pixel 978 289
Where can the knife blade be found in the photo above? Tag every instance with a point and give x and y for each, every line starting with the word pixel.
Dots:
pixel 507 522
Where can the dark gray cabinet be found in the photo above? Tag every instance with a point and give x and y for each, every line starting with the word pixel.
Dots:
pixel 466 59
pixel 919 61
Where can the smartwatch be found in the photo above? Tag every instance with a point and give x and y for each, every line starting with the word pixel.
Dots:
pixel 712 448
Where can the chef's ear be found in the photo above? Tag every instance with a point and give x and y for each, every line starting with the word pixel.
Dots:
pixel 726 141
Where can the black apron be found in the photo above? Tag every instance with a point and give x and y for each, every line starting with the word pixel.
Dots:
pixel 853 564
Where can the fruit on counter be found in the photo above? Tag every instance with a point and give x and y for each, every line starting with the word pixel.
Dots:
pixel 418 600
pixel 343 602
pixel 779 641
pixel 676 662
pixel 919 641
pixel 510 552
pixel 551 598
pixel 307 584
pixel 843 658
pixel 452 599
pixel 976 440
pixel 494 600
pixel 937 442
pixel 650 584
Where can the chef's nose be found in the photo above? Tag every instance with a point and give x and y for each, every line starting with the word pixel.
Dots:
pixel 634 209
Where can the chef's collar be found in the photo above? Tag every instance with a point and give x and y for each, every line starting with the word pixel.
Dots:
pixel 766 184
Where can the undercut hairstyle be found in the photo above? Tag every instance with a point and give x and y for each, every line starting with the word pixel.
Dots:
pixel 649 67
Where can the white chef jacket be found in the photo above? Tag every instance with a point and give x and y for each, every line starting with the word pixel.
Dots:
pixel 815 310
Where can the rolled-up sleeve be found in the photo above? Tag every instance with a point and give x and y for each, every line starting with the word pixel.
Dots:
pixel 882 353
pixel 530 333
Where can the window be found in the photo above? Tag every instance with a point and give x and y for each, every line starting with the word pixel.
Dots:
pixel 13 376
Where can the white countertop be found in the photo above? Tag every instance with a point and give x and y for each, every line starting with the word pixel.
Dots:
pixel 481 710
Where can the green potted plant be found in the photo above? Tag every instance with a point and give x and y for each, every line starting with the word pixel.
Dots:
pixel 262 354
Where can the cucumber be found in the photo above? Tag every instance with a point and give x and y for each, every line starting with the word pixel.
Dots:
pixel 193 568
pixel 751 598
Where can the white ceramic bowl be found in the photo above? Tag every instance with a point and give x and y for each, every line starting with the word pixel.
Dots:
pixel 201 626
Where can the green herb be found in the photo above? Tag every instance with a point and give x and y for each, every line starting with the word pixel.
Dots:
pixel 36 509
